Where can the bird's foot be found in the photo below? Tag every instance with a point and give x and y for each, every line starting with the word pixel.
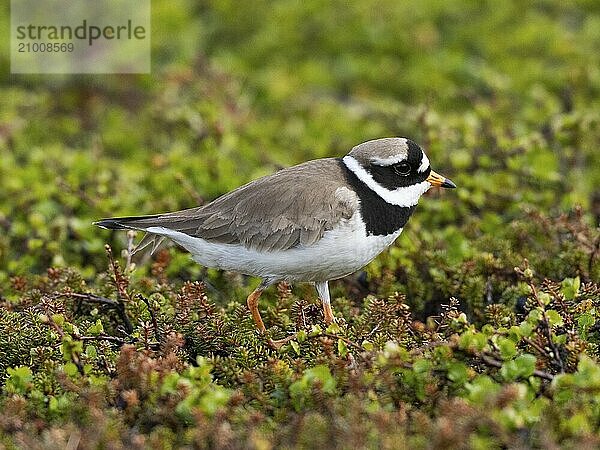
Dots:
pixel 277 344
pixel 330 320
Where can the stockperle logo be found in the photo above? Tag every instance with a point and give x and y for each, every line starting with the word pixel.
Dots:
pixel 80 36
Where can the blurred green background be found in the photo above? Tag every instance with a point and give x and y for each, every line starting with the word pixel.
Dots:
pixel 479 328
pixel 504 96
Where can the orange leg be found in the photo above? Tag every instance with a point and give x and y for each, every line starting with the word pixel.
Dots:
pixel 252 301
pixel 328 313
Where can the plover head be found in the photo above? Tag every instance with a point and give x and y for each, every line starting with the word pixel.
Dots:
pixel 397 169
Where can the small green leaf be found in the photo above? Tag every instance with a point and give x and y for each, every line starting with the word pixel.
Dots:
pixel 507 347
pixel 295 346
pixel 458 373
pixel 570 287
pixel 481 389
pixel 53 404
pixel 215 398
pixel 514 333
pixel 300 390
pixel 315 330
pixel 301 335
pixel 20 380
pixel 526 364
pixel 560 339
pixel 367 345
pixel 58 319
pixel 169 384
pixel 578 424
pixel 322 374
pixel 525 328
pixel 472 340
pixel 554 318
pixel 586 320
pixel 545 298
pixel 421 366
pixel 70 348
pixel 70 369
pixel 534 316
pixel 96 329
pixel 342 348
pixel 333 328
pixel 91 351
pixel 522 366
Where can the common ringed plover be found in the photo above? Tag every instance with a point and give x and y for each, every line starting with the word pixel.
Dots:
pixel 314 222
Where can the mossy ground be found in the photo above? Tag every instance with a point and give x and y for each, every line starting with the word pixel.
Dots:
pixel 477 329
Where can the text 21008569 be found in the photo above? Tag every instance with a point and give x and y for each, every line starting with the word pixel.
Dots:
pixel 45 47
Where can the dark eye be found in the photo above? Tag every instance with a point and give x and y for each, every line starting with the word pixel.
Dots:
pixel 402 168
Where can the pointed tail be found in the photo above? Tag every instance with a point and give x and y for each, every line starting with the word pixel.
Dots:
pixel 135 223
pixel 127 223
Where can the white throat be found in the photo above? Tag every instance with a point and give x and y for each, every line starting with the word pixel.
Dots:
pixel 402 196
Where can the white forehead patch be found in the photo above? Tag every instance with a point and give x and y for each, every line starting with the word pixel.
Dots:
pixel 424 163
pixel 389 160
pixel 382 152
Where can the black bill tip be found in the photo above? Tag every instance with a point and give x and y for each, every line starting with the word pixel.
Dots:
pixel 448 184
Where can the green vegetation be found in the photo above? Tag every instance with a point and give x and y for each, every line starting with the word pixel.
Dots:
pixel 478 329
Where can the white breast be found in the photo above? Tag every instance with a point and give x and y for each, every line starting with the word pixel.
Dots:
pixel 339 252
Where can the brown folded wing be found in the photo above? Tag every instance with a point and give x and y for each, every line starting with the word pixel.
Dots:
pixel 292 207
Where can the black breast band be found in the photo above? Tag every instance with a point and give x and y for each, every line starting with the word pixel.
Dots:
pixel 381 218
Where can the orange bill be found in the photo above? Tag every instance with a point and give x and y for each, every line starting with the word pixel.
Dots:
pixel 438 180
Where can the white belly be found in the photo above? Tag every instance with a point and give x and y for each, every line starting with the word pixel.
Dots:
pixel 339 252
